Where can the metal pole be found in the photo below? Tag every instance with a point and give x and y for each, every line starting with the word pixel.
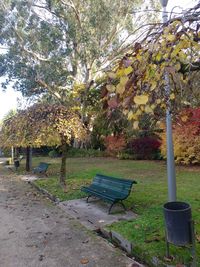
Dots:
pixel 171 176
pixel 12 154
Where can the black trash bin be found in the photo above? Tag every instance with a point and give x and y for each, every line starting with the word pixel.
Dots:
pixel 179 226
pixel 178 218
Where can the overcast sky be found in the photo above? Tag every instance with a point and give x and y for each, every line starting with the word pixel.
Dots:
pixel 8 99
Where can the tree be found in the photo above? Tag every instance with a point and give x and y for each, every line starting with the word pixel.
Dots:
pixel 40 125
pixel 61 47
pixel 137 83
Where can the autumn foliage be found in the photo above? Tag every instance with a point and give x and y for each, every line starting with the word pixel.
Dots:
pixel 137 83
pixel 41 124
pixel 186 135
pixel 114 144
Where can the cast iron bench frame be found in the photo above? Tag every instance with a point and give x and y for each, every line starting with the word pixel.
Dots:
pixel 41 168
pixel 110 189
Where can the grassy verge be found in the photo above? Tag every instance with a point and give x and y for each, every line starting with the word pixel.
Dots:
pixel 147 231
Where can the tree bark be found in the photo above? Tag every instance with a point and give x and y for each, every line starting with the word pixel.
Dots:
pixel 63 170
pixel 28 165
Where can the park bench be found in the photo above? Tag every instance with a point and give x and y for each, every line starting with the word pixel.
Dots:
pixel 41 168
pixel 110 189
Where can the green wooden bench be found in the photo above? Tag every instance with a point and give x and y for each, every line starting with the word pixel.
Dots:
pixel 41 168
pixel 110 189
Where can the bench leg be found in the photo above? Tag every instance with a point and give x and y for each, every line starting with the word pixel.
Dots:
pixel 87 200
pixel 111 207
pixel 120 202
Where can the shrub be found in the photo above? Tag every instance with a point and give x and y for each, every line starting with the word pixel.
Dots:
pixel 53 154
pixel 81 153
pixel 186 137
pixel 125 155
pixel 114 144
pixel 145 147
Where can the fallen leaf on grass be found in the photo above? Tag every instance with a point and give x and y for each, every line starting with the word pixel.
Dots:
pixel 198 238
pixel 136 226
pixel 84 261
pixel 169 259
pixel 153 239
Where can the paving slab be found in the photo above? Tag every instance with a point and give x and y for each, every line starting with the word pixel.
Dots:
pixel 28 178
pixel 94 215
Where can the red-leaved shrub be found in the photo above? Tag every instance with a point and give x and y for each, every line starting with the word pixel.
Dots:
pixel 145 147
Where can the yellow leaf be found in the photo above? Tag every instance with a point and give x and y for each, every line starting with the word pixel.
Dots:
pixel 128 70
pixel 139 57
pixel 158 101
pixel 120 72
pixel 177 66
pixel 153 85
pixel 141 99
pixel 148 109
pixel 123 80
pixel 120 88
pixel 135 125
pixel 110 88
pixel 182 56
pixel 112 75
pixel 170 37
pixel 159 56
pixel 132 116
pixel 172 96
pixel 163 105
pixel 138 112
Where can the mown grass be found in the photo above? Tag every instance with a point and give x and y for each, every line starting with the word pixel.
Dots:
pixel 146 199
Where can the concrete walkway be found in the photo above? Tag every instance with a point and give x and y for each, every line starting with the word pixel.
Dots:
pixel 94 215
pixel 36 233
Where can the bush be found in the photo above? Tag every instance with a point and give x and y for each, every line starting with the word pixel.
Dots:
pixel 53 154
pixel 114 144
pixel 125 155
pixel 145 147
pixel 186 137
pixel 81 153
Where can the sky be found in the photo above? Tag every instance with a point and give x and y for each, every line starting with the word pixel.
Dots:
pixel 8 99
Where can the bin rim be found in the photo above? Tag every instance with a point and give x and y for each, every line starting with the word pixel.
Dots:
pixel 177 202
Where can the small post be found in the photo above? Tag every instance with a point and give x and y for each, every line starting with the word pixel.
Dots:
pixel 194 259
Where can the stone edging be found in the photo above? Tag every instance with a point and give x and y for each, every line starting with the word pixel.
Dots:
pixel 45 192
pixel 128 247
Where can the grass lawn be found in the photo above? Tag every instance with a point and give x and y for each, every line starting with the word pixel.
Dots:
pixel 147 198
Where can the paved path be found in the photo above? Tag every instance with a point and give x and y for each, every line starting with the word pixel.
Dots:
pixel 36 233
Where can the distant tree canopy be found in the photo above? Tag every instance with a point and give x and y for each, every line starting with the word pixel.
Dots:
pixel 165 57
pixel 43 124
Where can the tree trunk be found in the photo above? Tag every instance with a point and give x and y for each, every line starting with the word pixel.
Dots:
pixel 63 171
pixel 28 159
